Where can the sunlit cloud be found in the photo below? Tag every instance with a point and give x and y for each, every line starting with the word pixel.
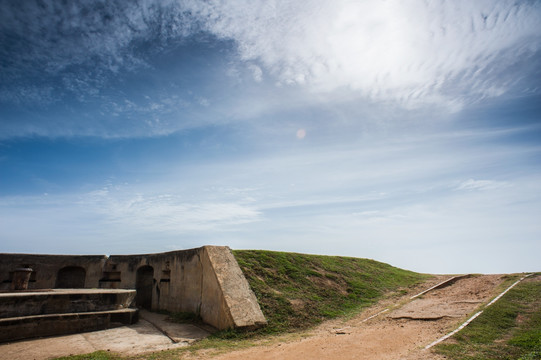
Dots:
pixel 414 53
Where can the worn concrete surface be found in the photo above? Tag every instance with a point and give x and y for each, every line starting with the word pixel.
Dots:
pixel 139 338
pixel 239 306
pixel 186 333
pixel 62 301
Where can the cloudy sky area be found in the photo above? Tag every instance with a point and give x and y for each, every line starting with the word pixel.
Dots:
pixel 407 132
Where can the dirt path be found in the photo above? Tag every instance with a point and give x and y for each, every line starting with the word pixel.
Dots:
pixel 400 333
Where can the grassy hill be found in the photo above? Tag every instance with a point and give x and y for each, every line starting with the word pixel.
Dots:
pixel 297 291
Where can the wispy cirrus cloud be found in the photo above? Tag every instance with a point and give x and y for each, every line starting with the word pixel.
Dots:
pixel 385 198
pixel 414 53
pixel 472 184
pixel 55 36
pixel 164 212
pixel 110 214
pixel 76 49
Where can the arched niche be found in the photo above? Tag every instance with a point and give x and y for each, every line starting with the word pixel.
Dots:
pixel 71 277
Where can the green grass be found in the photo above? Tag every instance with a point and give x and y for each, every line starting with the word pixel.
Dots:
pixel 97 355
pixel 297 291
pixel 509 329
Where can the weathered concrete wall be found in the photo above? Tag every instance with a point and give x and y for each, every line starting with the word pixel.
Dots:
pixel 46 267
pixel 205 281
pixel 216 310
pixel 176 278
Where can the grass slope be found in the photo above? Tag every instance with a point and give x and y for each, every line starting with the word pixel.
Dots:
pixel 509 329
pixel 297 291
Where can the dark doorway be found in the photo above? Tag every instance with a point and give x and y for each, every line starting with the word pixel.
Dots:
pixel 71 277
pixel 143 284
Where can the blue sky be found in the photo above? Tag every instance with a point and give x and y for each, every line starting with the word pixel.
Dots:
pixel 406 132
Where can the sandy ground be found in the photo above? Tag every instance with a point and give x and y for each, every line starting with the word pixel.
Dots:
pixel 396 328
pixel 400 333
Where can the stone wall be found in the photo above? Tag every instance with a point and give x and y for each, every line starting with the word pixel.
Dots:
pixel 206 281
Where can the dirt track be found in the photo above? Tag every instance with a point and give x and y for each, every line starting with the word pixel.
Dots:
pixel 400 333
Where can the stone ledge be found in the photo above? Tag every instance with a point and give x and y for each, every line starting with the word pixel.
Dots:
pixel 23 327
pixel 17 304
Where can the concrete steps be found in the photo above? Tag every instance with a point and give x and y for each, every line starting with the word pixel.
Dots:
pixel 63 311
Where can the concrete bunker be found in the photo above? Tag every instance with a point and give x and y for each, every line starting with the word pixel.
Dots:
pixel 206 281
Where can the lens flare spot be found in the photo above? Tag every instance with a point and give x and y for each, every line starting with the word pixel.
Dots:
pixel 301 133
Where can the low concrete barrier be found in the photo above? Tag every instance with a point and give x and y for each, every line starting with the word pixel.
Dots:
pixel 59 312
pixel 17 328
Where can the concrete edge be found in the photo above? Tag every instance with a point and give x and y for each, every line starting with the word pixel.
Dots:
pixel 238 298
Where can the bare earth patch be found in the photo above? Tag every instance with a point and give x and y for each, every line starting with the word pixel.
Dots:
pixel 400 333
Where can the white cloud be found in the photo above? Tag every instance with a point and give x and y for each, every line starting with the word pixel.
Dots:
pixel 413 52
pixel 257 73
pixel 482 185
pixel 167 212
pixel 414 201
pixel 428 234
pixel 290 55
pixel 115 219
pixel 60 35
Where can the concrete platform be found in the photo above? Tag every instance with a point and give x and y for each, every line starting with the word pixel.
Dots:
pixel 28 314
pixel 25 327
pixel 140 338
pixel 187 333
